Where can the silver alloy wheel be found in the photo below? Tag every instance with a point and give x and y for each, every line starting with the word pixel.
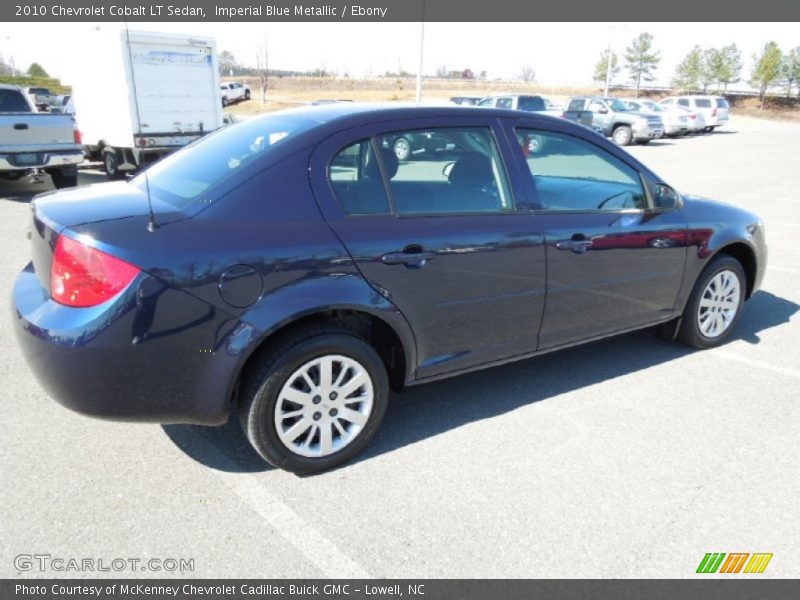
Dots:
pixel 402 149
pixel 323 406
pixel 719 304
pixel 622 136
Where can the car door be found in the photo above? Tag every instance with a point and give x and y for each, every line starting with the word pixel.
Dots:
pixel 614 261
pixel 440 235
pixel 601 115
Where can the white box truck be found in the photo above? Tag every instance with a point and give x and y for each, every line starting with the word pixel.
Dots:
pixel 144 95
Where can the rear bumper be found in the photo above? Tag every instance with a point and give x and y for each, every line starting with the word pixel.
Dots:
pixel 648 133
pixel 151 354
pixel 45 160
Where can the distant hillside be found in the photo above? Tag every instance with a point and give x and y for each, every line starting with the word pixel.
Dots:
pixel 51 83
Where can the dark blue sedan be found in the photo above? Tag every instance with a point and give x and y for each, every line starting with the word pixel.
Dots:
pixel 290 269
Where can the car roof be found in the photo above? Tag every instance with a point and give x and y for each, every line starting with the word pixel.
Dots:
pixel 6 86
pixel 356 112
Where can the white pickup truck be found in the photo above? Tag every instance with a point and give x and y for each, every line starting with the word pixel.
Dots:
pixel 233 91
pixel 32 142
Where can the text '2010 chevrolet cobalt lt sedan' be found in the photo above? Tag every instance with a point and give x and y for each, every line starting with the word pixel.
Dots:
pixel 291 269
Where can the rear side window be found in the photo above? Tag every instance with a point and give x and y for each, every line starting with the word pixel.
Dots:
pixel 503 103
pixel 13 101
pixel 722 103
pixel 184 177
pixel 355 176
pixel 449 170
pixel 683 102
pixel 702 102
pixel 573 175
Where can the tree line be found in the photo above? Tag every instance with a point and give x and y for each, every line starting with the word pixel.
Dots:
pixel 705 68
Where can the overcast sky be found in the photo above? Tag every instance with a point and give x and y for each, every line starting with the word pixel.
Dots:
pixel 560 53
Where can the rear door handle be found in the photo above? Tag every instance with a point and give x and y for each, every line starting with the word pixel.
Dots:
pixel 578 246
pixel 412 256
pixel 20 125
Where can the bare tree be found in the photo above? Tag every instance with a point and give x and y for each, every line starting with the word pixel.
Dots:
pixel 262 67
pixel 528 74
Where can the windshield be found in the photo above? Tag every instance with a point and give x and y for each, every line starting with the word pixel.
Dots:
pixel 182 178
pixel 531 103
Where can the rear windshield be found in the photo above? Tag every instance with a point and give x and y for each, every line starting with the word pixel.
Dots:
pixel 531 103
pixel 13 101
pixel 182 178
pixel 40 91
pixel 702 103
pixel 722 103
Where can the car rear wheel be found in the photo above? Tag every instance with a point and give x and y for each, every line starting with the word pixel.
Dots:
pixel 622 135
pixel 247 95
pixel 402 148
pixel 111 164
pixel 315 399
pixel 715 305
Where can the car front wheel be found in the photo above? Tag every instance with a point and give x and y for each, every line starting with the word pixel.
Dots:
pixel 715 305
pixel 314 399
pixel 622 135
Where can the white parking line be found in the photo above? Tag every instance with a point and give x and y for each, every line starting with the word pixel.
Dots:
pixel 783 270
pixel 726 354
pixel 300 534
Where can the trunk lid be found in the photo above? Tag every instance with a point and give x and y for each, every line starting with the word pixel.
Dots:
pixel 54 212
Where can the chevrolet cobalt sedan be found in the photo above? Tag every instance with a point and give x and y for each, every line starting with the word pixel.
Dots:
pixel 290 270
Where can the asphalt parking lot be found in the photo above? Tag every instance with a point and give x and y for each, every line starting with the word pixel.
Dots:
pixel 631 457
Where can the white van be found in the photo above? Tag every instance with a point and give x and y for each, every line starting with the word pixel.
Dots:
pixel 715 109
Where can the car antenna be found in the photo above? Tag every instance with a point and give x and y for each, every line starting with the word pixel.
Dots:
pixel 151 221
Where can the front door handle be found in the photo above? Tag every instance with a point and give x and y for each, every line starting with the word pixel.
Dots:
pixel 578 246
pixel 413 256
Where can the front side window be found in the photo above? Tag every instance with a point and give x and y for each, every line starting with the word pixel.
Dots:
pixel 450 170
pixel 571 174
pixel 486 102
pixel 576 104
pixel 702 102
pixel 504 103
pixel 683 102
pixel 355 176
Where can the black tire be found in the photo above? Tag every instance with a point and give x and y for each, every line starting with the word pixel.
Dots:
pixel 643 142
pixel 711 129
pixel 224 102
pixel 689 332
pixel 708 129
pixel 111 165
pixel 262 384
pixel 247 94
pixel 622 135
pixel 66 177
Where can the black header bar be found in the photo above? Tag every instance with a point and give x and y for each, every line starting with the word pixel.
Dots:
pixel 398 10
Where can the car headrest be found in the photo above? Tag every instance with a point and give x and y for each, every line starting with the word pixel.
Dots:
pixel 473 169
pixel 390 164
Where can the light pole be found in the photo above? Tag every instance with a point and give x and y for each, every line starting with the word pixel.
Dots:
pixel 609 58
pixel 421 58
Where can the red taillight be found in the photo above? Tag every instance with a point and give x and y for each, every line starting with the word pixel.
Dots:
pixel 77 134
pixel 84 276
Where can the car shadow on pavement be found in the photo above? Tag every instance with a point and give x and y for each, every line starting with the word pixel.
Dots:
pixel 23 190
pixel 422 412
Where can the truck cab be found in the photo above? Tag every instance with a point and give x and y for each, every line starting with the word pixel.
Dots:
pixel 613 118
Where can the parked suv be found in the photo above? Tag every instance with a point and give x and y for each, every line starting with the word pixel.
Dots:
pixel 614 119
pixel 715 109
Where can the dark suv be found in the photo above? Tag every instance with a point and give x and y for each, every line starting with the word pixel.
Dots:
pixel 290 269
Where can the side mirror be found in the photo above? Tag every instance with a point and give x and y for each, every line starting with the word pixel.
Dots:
pixel 666 197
